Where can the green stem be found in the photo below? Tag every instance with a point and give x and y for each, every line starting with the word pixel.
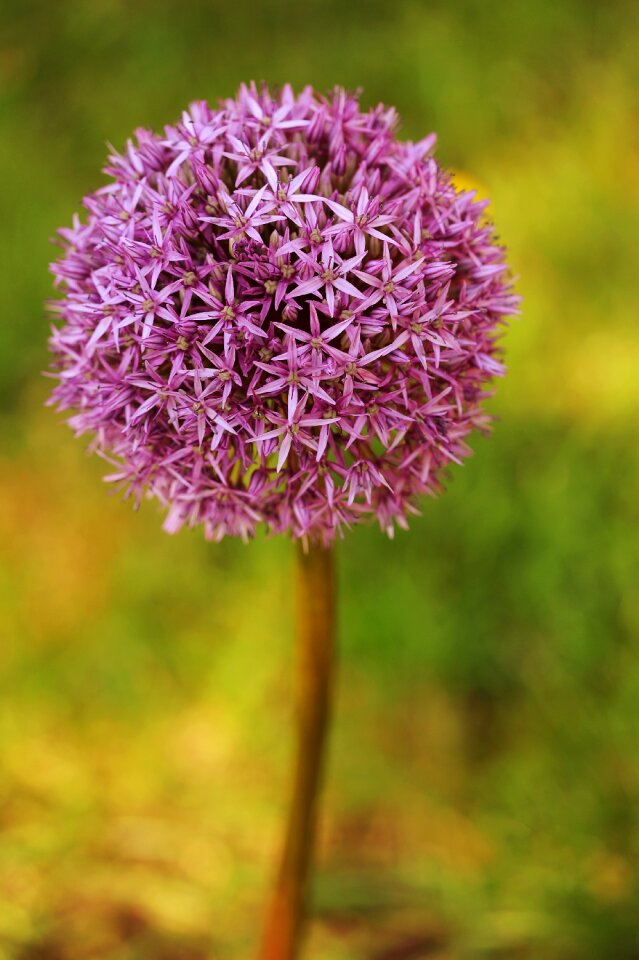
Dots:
pixel 315 643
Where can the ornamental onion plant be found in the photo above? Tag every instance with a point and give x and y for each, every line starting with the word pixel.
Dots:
pixel 278 314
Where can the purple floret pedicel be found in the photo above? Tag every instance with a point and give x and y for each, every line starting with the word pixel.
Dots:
pixel 279 313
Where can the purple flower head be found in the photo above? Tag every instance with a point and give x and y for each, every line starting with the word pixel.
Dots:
pixel 276 312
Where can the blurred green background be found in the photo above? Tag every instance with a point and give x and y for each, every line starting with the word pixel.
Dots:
pixel 483 788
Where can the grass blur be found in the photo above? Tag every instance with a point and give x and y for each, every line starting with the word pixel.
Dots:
pixel 483 790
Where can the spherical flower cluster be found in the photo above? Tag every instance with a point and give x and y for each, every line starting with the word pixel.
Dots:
pixel 276 312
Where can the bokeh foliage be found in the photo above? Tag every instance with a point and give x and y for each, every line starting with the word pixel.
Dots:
pixel 484 781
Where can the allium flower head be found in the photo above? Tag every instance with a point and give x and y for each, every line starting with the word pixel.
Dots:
pixel 277 312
